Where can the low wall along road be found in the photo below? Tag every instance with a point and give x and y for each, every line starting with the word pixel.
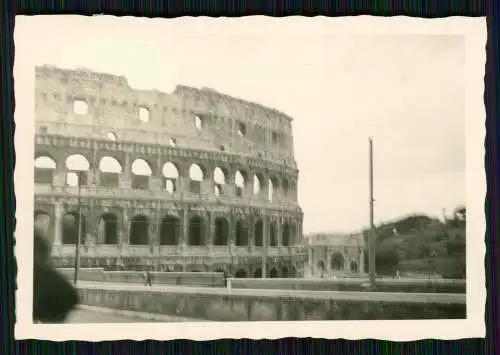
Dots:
pixel 222 304
pixel 353 284
pixel 209 279
pixel 215 279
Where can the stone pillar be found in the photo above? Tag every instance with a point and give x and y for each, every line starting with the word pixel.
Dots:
pixel 126 229
pixel 58 215
pixel 300 231
pixel 127 166
pixel 328 266
pixel 126 177
pixel 59 179
pixel 159 167
pixel 347 262
pixel 248 190
pixel 209 230
pixel 155 183
pixel 265 243
pixel 279 231
pixel 251 231
pixel 362 261
pixel 154 229
pixel 310 260
pixel 184 228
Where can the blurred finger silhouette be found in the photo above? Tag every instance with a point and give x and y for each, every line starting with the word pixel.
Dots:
pixel 53 296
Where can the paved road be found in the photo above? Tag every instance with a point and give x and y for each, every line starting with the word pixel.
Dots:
pixel 327 295
pixel 90 314
pixel 87 316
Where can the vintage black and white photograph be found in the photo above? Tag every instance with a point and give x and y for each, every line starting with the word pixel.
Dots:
pixel 212 170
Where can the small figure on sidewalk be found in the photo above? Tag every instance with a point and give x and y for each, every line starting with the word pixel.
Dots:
pixel 147 278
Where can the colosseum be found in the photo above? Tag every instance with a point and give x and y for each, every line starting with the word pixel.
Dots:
pixel 195 180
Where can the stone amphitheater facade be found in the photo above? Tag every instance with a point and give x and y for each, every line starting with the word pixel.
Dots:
pixel 239 213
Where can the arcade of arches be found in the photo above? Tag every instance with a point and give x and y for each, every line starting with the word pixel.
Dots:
pixel 123 222
pixel 336 260
pixel 120 171
pixel 113 228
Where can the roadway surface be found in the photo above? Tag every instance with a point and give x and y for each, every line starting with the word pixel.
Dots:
pixel 273 293
pixel 88 316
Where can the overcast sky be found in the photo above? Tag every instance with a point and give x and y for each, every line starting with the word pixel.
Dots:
pixel 406 91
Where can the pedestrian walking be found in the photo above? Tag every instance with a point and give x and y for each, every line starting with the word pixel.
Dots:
pixel 147 278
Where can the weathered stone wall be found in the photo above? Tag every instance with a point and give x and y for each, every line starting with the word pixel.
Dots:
pixel 235 137
pixel 418 286
pixel 212 279
pixel 113 107
pixel 232 306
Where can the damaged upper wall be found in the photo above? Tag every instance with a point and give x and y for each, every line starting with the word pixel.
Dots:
pixel 81 103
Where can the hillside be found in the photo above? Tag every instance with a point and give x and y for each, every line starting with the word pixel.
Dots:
pixel 420 244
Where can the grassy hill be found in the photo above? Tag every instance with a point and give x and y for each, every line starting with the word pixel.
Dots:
pixel 420 244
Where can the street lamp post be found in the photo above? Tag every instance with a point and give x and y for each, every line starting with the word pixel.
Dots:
pixel 371 237
pixel 77 247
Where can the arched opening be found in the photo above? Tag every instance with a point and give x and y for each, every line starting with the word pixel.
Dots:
pixel 337 262
pixel 219 270
pixel 285 272
pixel 196 177
pixel 169 230
pixel 171 175
pixel 70 228
pixel 110 170
pixel 285 235
pixel 293 188
pixel 141 171
pixel 177 268
pixel 273 234
pixel 78 167
pixel 274 273
pixel 108 229
pixel 259 233
pixel 285 187
pixel 354 266
pixel 198 122
pixel 294 237
pixel 143 114
pixel 240 274
pixel 258 184
pixel 258 273
pixel 196 234
pixel 42 220
pixel 242 129
pixel 219 181
pixel 273 185
pixel 240 178
pixel 80 107
pixel 44 170
pixel 139 230
pixel 221 231
pixel 293 272
pixel 241 233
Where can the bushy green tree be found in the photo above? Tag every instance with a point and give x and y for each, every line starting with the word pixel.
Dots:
pixel 418 243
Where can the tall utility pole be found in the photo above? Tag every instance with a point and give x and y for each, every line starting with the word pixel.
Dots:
pixel 371 237
pixel 265 241
pixel 79 221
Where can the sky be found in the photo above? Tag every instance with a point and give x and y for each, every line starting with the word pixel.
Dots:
pixel 405 91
